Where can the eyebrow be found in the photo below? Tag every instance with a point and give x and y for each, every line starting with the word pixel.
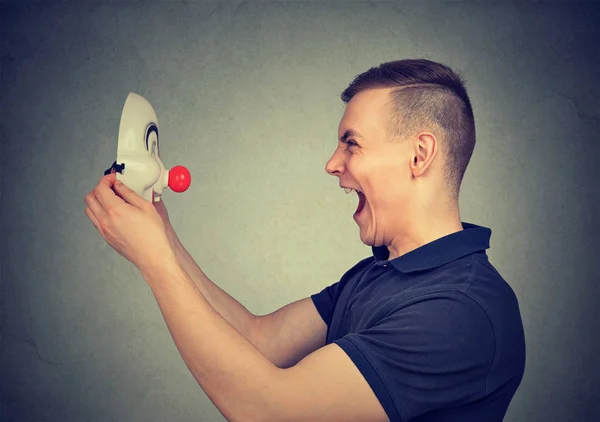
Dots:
pixel 350 133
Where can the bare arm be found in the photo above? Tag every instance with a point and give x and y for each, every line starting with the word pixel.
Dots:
pixel 240 380
pixel 230 309
pixel 284 336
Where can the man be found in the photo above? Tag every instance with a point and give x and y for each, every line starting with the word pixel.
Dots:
pixel 424 330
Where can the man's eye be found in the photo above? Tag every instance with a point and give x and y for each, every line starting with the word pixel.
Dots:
pixel 351 143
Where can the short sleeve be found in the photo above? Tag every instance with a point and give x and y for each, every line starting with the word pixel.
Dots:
pixel 325 300
pixel 432 353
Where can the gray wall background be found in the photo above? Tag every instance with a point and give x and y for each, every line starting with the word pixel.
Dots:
pixel 247 97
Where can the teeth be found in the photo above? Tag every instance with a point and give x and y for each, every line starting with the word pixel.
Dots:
pixel 348 190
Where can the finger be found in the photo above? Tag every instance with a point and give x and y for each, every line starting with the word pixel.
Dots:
pixel 105 197
pixel 109 179
pixel 93 218
pixel 95 206
pixel 130 196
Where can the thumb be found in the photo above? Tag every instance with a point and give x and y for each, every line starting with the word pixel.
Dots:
pixel 128 195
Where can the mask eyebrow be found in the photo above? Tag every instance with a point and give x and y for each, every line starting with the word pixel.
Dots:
pixel 349 133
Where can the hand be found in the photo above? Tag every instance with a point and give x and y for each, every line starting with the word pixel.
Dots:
pixel 129 224
pixel 161 208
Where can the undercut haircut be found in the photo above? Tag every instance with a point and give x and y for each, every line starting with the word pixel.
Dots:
pixel 426 96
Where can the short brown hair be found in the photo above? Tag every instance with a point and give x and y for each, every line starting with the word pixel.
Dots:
pixel 428 95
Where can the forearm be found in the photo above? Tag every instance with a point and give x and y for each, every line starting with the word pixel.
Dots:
pixel 240 381
pixel 230 309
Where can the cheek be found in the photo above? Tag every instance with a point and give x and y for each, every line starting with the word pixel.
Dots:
pixel 385 184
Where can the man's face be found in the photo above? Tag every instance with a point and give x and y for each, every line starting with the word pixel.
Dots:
pixel 379 170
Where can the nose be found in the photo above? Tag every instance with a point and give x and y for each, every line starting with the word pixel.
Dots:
pixel 335 166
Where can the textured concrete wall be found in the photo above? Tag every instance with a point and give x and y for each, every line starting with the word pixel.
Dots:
pixel 247 97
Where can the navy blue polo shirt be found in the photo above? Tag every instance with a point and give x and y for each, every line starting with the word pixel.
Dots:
pixel 437 332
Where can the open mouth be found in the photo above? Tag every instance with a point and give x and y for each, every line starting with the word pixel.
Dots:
pixel 361 199
pixel 361 202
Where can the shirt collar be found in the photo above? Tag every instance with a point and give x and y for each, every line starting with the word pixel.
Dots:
pixel 472 238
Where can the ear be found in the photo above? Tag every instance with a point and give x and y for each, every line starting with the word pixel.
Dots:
pixel 425 148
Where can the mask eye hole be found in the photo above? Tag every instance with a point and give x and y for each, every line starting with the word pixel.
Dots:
pixel 152 139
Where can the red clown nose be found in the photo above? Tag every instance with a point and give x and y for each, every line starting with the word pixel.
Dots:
pixel 179 179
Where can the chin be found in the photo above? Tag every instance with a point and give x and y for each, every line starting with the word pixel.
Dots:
pixel 366 238
pixel 367 234
pixel 370 239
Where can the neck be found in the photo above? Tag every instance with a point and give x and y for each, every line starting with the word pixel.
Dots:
pixel 442 220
